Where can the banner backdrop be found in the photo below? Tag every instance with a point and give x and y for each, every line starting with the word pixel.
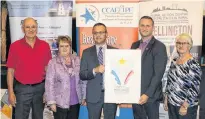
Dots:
pixel 6 108
pixel 173 18
pixel 121 19
pixel 54 18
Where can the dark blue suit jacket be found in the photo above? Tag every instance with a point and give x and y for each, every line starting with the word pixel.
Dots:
pixel 89 60
pixel 154 59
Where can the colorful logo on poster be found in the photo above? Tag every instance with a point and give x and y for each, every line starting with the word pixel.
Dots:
pixel 91 14
pixel 117 79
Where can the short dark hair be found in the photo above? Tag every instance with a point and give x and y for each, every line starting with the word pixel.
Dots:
pixel 64 39
pixel 147 17
pixel 100 24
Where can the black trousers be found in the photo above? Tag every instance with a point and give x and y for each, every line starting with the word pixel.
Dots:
pixel 71 113
pixel 173 112
pixel 28 97
pixel 95 109
pixel 202 113
pixel 149 110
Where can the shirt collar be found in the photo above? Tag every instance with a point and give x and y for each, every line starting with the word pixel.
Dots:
pixel 104 46
pixel 60 59
pixel 146 40
pixel 36 42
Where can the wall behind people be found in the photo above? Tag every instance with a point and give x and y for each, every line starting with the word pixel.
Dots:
pixel 203 44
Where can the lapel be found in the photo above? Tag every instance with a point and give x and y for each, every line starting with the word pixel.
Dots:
pixel 137 45
pixel 94 55
pixel 148 48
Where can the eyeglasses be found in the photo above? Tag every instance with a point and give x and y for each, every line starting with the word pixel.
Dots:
pixel 100 33
pixel 30 27
pixel 181 43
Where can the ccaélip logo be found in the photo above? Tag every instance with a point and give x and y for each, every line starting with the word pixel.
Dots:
pixel 91 14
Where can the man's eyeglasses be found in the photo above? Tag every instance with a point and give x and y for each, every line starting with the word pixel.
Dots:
pixel 100 33
pixel 30 27
pixel 182 43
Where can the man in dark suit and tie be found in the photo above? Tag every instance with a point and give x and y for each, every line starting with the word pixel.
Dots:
pixel 154 59
pixel 92 69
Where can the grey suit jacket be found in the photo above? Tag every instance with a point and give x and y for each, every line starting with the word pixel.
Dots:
pixel 89 60
pixel 154 59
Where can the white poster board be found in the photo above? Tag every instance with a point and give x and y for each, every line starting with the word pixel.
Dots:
pixel 122 78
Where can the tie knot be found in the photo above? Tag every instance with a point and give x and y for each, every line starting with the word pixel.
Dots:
pixel 100 48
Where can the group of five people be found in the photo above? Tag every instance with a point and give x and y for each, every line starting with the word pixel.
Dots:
pixel 69 81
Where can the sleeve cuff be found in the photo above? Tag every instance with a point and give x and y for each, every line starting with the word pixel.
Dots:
pixel 94 72
pixel 51 102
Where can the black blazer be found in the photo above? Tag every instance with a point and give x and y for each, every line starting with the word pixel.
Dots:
pixel 154 59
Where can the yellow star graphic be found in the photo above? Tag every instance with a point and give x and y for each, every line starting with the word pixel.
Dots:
pixel 122 61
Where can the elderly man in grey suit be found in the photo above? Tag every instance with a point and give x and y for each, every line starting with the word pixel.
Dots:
pixel 92 69
pixel 154 59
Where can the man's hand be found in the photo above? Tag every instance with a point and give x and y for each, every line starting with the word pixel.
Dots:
pixel 44 98
pixel 84 102
pixel 99 69
pixel 53 107
pixel 143 99
pixel 12 99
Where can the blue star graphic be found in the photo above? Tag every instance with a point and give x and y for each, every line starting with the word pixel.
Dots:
pixel 87 16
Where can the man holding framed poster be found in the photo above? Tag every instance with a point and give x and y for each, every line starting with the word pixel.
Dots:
pixel 154 59
pixel 92 69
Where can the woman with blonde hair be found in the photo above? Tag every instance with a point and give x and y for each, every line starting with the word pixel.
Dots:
pixel 183 80
pixel 63 88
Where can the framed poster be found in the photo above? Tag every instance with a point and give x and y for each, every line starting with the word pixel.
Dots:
pixel 122 77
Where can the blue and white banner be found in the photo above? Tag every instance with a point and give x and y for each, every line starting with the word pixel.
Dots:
pixel 54 18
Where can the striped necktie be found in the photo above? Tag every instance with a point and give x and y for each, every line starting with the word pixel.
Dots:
pixel 100 56
pixel 100 59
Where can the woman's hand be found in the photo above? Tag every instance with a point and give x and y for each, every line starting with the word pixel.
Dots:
pixel 84 102
pixel 53 107
pixel 165 103
pixel 183 108
pixel 183 111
